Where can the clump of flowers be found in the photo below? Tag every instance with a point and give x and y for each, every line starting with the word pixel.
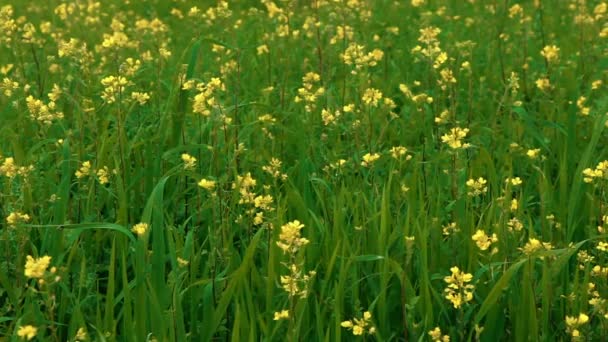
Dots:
pixel 206 99
pixel 36 267
pixel 600 172
pixel 27 332
pixel 10 169
pixel 533 245
pixel 369 159
pixel 437 336
pixel 274 169
pixel 84 170
pixel 551 53
pixel 296 282
pixel 189 161
pixel 310 91
pixel 458 291
pixel 355 55
pixel 371 97
pixel 574 323
pixel 17 217
pixel 207 184
pixel 140 229
pixel 483 240
pixel 114 88
pixel 360 326
pixel 454 139
pixel 477 186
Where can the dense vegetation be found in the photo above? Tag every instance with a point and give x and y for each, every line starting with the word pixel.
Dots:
pixel 317 170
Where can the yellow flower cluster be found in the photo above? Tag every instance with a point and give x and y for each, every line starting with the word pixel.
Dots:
pixel 582 109
pixel 10 169
pixel 8 86
pixel 574 323
pixel 369 159
pixel 41 112
pixel 371 97
pixel 454 138
pixel 477 186
pixel 140 229
pixel 27 332
pixel 35 268
pixel 274 169
pixel 296 283
pixel 551 53
pixel 458 290
pixel 207 184
pixel 600 172
pixel 310 91
pixel 437 336
pixel 290 237
pixel 533 245
pixel 356 55
pixel 114 87
pixel 206 100
pixel 189 161
pixel 482 240
pixel 360 326
pixel 17 217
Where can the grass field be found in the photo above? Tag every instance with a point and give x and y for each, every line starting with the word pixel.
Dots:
pixel 321 170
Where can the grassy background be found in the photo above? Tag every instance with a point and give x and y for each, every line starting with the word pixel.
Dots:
pixel 121 287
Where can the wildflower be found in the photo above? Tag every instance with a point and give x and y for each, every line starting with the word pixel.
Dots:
pixel 85 170
pixel 534 245
pixel 207 184
pixel 182 262
pixel 371 97
pixel 189 161
pixel 477 186
pixel 290 238
pixel 551 53
pixel 573 324
pixel 81 334
pixel 450 228
pixel 436 335
pixel 514 181
pixel 296 282
pixel 274 169
pixel 103 175
pixel 543 84
pixel 35 268
pixel 369 159
pixel 206 99
pixel 360 326
pixel 283 314
pixel 455 137
pixel 140 229
pixel 114 87
pixel 458 291
pixel 600 172
pixel 356 56
pixel 533 153
pixel 482 240
pixel 515 224
pixel 514 204
pixel 140 98
pixel 399 151
pixel 262 49
pixel 27 332
pixel 310 91
pixel 515 10
pixel 16 217
pixel 580 103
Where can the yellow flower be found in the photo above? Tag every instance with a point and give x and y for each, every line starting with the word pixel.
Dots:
pixel 458 291
pixel 290 238
pixel 551 53
pixel 27 331
pixel 454 138
pixel 482 240
pixel 371 97
pixel 543 84
pixel 35 268
pixel 283 314
pixel 16 217
pixel 207 184
pixel 477 186
pixel 140 229
pixel 534 245
pixel 81 334
pixel 360 326
pixel 369 159
pixel 189 161
pixel 85 170
pixel 573 323
pixel 436 335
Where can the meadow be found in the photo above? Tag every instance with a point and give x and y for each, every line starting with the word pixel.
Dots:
pixel 321 170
